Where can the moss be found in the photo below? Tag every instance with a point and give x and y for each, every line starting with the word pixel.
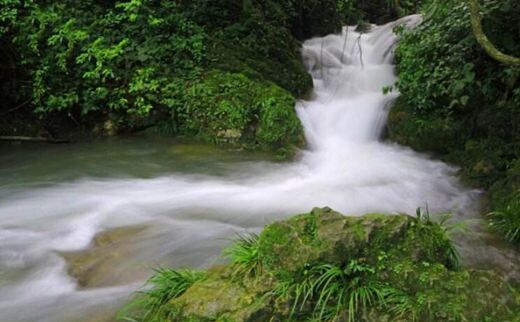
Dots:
pixel 282 66
pixel 223 298
pixel 437 134
pixel 231 108
pixel 407 259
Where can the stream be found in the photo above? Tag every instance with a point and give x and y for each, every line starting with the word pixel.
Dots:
pixel 175 204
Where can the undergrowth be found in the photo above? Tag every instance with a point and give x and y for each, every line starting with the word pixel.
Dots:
pixel 166 284
pixel 333 293
pixel 506 218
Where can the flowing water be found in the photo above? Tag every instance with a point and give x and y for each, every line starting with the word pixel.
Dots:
pixel 187 202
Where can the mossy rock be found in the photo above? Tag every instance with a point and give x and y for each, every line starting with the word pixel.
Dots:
pixel 432 133
pixel 325 236
pixel 231 108
pixel 221 297
pixel 408 257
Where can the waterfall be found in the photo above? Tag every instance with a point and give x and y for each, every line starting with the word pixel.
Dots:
pixel 190 217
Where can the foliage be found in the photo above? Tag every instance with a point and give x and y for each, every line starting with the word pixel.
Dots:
pixel 8 15
pixel 334 292
pixel 245 256
pixel 376 11
pixel 166 284
pixel 483 40
pixel 144 63
pixel 507 219
pixel 231 108
pixel 429 224
pixel 323 267
pixel 86 58
pixel 457 101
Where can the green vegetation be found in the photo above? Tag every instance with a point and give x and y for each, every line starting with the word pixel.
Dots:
pixel 461 104
pixel 231 108
pixel 245 256
pixel 483 40
pixel 166 284
pixel 376 11
pixel 225 72
pixel 334 292
pixel 322 266
pixel 186 68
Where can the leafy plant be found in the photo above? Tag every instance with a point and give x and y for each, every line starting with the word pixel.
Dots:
pixel 440 230
pixel 245 256
pixel 166 284
pixel 332 292
pixel 506 219
pixel 401 305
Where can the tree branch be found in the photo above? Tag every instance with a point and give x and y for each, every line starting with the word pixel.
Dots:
pixel 33 139
pixel 483 40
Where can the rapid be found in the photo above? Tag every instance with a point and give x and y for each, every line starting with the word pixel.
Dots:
pixel 186 215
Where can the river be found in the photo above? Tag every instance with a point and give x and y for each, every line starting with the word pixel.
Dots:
pixel 177 204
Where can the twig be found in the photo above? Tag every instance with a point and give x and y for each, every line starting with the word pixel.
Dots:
pixel 32 139
pixel 360 51
pixel 321 57
pixel 15 108
pixel 344 44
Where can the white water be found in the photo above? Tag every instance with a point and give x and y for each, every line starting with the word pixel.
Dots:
pixel 189 217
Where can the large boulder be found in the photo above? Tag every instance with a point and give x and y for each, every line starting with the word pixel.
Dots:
pixel 408 264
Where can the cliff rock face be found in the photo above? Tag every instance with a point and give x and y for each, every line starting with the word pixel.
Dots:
pixel 406 265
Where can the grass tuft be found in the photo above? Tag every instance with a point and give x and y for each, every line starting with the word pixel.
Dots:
pixel 245 255
pixel 166 284
pixel 441 230
pixel 333 293
pixel 507 218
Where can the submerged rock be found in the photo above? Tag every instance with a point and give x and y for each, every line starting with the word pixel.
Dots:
pixel 407 265
pixel 103 264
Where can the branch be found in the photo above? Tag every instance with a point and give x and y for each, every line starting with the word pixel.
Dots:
pixel 483 40
pixel 15 108
pixel 32 139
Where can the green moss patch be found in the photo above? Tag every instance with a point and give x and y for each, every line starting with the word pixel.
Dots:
pixel 230 108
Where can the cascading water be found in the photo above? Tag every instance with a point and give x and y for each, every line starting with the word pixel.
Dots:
pixel 189 217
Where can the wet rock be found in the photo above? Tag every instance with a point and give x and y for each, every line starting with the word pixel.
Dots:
pixel 105 262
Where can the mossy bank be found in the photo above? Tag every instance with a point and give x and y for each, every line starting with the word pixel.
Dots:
pixel 463 106
pixel 323 266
